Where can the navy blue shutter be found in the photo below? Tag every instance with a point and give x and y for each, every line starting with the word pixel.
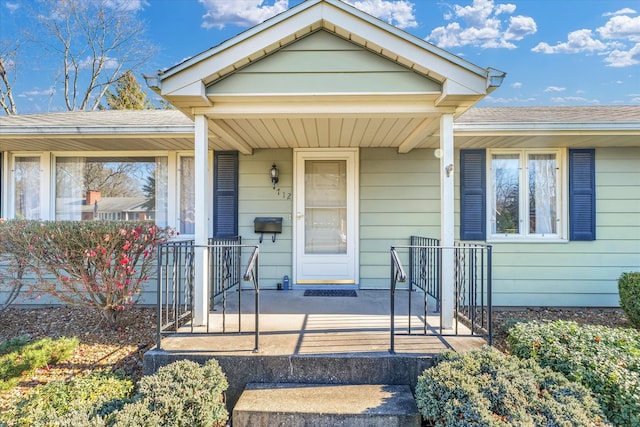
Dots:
pixel 582 194
pixel 473 195
pixel 225 194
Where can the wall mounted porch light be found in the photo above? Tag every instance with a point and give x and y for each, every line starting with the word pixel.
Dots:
pixel 274 175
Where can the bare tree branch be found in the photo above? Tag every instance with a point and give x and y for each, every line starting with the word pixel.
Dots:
pixel 8 53
pixel 97 42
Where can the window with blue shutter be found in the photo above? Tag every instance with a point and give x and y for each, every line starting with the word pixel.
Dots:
pixel 473 199
pixel 582 194
pixel 225 194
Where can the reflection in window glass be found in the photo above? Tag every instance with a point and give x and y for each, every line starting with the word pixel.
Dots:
pixel 325 206
pixel 187 195
pixel 27 187
pixel 542 193
pixel 505 171
pixel 112 188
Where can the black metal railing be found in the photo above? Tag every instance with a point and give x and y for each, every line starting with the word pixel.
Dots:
pixel 176 276
pixel 424 266
pixel 471 291
pixel 225 267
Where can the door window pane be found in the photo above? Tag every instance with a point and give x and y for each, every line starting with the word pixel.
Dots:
pixel 27 187
pixel 325 206
pixel 543 198
pixel 505 174
pixel 111 188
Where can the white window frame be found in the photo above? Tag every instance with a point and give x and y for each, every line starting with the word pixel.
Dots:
pixel 45 183
pixel 561 203
pixel 51 189
pixel 176 185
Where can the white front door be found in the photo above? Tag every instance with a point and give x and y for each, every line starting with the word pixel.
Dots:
pixel 326 234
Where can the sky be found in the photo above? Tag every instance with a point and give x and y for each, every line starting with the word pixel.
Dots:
pixel 555 52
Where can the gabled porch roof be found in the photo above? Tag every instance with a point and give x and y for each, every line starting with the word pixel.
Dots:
pixel 261 118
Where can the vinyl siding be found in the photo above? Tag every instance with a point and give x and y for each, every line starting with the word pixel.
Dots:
pixel 256 197
pixel 323 63
pixel 580 273
pixel 399 197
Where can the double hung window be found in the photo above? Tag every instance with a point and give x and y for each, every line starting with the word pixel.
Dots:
pixel 525 194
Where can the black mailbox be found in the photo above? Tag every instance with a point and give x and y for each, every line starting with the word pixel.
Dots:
pixel 263 225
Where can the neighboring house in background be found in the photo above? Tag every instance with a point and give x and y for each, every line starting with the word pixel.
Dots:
pixel 375 139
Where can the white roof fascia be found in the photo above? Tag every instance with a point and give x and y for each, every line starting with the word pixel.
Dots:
pixel 547 128
pixel 34 131
pixel 300 19
pixel 235 51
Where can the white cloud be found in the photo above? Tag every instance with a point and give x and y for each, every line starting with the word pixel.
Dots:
pixel 555 89
pixel 625 11
pixel 109 63
pixel 509 101
pixel 37 92
pixel 520 27
pixel 12 6
pixel 618 40
pixel 577 41
pixel 481 24
pixel 574 100
pixel 621 27
pixel 245 13
pixel 242 13
pixel 127 5
pixel 624 58
pixel 516 85
pixel 398 12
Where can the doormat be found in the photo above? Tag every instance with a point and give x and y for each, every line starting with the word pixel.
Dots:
pixel 330 293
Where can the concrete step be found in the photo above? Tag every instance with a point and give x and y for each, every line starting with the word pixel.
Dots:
pixel 318 405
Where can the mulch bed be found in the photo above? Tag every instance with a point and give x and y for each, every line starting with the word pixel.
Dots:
pixel 123 347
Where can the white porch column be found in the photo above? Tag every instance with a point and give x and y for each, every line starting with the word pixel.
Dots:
pixel 201 218
pixel 447 218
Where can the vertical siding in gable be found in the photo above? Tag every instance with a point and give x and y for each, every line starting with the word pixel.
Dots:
pixel 399 197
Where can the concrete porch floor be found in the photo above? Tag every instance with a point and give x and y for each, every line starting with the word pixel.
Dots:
pixel 294 324
pixel 315 340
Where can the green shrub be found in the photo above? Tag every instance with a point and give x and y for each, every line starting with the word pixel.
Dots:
pixel 81 402
pixel 605 360
pixel 629 290
pixel 485 387
pixel 183 393
pixel 20 358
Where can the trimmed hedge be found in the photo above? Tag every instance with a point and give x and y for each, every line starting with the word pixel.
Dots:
pixel 629 290
pixel 485 387
pixel 182 394
pixel 605 360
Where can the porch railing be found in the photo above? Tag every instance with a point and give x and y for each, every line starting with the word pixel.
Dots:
pixel 176 276
pixel 472 286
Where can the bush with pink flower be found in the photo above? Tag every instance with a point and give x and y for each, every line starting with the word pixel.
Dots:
pixel 98 264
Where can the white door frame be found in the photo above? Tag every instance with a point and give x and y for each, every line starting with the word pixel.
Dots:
pixel 353 190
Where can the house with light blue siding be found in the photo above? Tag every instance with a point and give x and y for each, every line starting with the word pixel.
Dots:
pixel 352 135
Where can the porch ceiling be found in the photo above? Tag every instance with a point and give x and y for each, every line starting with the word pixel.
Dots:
pixel 371 123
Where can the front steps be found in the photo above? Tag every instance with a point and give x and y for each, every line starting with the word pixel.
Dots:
pixel 317 405
pixel 367 368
